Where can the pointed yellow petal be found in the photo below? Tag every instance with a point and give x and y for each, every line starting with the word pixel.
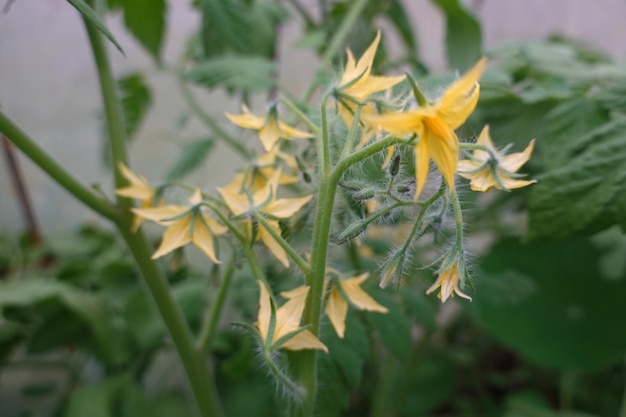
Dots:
pixel 132 178
pixel 289 132
pixel 265 311
pixel 337 309
pixel 466 165
pixel 422 165
pixel 398 124
pixel 460 98
pixel 358 297
pixel 160 214
pixel 237 203
pixel 371 85
pixel 514 161
pixel 364 64
pixel 203 239
pixel 511 184
pixel 271 243
pixel 288 316
pixel 482 181
pixel 247 121
pixel 443 147
pixel 269 135
pixel 175 236
pixel 136 191
pixel 484 139
pixel 215 227
pixel 196 197
pixel 304 340
pixel 286 207
pixel 348 72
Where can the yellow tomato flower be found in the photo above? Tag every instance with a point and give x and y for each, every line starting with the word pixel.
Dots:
pixel 435 125
pixel 138 189
pixel 256 176
pixel 270 127
pixel 184 225
pixel 287 320
pixel 488 169
pixel 241 201
pixel 448 281
pixel 357 81
pixel 350 291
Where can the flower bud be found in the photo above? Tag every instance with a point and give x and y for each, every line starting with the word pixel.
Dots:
pixel 352 231
pixel 364 194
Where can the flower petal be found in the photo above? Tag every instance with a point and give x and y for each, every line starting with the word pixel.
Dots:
pixel 175 236
pixel 203 239
pixel 269 135
pixel 238 203
pixel 337 309
pixel 160 214
pixel 443 147
pixel 265 311
pixel 286 207
pixel 514 161
pixel 358 297
pixel 304 340
pixel 247 120
pixel 289 132
pixel 271 243
pixel 288 316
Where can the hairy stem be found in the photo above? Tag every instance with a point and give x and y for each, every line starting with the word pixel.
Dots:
pixel 207 334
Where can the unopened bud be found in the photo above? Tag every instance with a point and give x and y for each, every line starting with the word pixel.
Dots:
pixel 352 231
pixel 403 189
pixel 394 167
pixel 365 194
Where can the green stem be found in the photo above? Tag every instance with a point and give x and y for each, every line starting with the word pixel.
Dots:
pixel 349 144
pixel 211 123
pixel 196 367
pixel 365 152
pixel 257 269
pixel 322 141
pixel 299 260
pixel 458 216
pixel 207 334
pixel 346 25
pixel 300 114
pixel 55 171
pixel 112 109
pixel 287 382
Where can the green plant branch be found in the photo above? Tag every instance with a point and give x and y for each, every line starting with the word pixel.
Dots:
pixel 207 334
pixel 197 369
pixel 300 115
pixel 298 260
pixel 210 122
pixel 346 25
pixel 55 171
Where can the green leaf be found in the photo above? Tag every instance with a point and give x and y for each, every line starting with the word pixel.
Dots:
pixel 92 17
pixel 91 400
pixel 586 194
pixel 240 26
pixel 193 155
pixel 145 19
pixel 87 307
pixel 136 99
pixel 550 302
pixel 234 72
pixel 463 34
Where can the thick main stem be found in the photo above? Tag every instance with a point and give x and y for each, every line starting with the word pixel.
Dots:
pixel 196 368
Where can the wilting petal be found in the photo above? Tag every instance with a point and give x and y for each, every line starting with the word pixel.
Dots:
pixel 175 236
pixel 337 309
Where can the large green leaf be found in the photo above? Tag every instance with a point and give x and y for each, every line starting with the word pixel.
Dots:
pixel 92 17
pixel 393 327
pixel 251 73
pixel 586 193
pixel 463 34
pixel 145 19
pixel 136 99
pixel 550 301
